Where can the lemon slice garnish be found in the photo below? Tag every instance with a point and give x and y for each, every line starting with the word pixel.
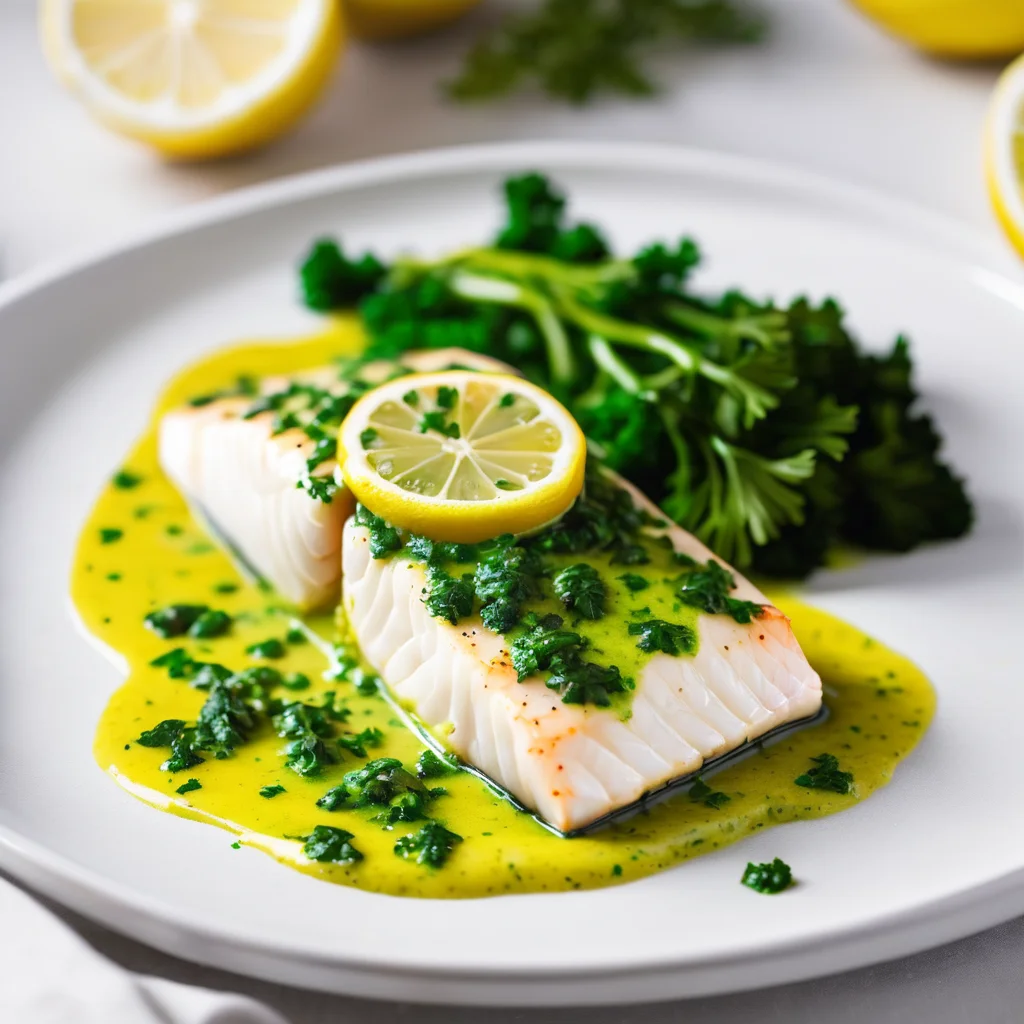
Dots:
pixel 194 78
pixel 462 456
pixel 1004 152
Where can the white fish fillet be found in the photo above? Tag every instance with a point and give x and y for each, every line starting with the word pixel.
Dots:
pixel 570 763
pixel 243 480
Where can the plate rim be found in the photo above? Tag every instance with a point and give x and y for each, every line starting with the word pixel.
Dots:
pixel 147 919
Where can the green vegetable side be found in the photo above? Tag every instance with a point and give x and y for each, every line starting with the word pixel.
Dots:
pixel 765 430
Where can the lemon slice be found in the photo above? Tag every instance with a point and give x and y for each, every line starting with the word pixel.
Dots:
pixel 194 78
pixel 462 456
pixel 1004 152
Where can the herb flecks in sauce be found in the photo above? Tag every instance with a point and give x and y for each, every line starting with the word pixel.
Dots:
pixel 826 774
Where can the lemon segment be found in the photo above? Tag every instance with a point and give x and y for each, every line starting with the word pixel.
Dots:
pixel 462 456
pixel 1004 152
pixel 395 19
pixel 194 78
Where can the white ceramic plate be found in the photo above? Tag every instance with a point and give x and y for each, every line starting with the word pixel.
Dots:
pixel 936 855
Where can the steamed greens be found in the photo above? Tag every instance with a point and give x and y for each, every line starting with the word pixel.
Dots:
pixel 764 429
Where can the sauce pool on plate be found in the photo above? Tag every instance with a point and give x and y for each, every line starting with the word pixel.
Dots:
pixel 142 552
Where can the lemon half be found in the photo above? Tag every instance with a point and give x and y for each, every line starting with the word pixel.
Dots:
pixel 194 78
pixel 969 29
pixel 1004 152
pixel 462 456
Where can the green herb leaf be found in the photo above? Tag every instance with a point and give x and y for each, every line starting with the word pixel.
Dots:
pixel 329 844
pixel 431 846
pixel 189 787
pixel 581 589
pixel 771 878
pixel 826 775
pixel 667 637
pixel 701 792
pixel 269 792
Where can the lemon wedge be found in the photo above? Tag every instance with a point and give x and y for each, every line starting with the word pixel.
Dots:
pixel 1004 152
pixel 194 78
pixel 968 29
pixel 462 456
pixel 393 19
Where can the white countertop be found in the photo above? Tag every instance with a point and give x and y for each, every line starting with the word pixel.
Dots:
pixel 826 92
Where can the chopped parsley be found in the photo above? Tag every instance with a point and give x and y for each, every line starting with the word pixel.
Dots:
pixel 581 590
pixel 384 539
pixel 667 637
pixel 110 534
pixel 125 480
pixel 707 588
pixel 448 597
pixel 212 623
pixel 356 743
pixel 437 420
pixel 271 648
pixel 506 400
pixel 189 787
pixel 269 792
pixel 701 792
pixel 295 681
pixel 385 785
pixel 432 765
pixel 197 620
pixel 163 734
pixel 826 775
pixel 335 798
pixel 330 844
pixel 431 846
pixel 768 878
pixel 545 646
pixel 634 582
pixel 311 730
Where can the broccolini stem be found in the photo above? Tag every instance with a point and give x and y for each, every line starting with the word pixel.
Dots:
pixel 756 400
pixel 554 271
pixel 483 288
pixel 605 357
pixel 763 329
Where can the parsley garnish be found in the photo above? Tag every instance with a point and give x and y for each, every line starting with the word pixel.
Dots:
pixel 327 843
pixel 707 588
pixel 430 846
pixel 448 597
pixel 271 648
pixel 197 620
pixel 189 787
pixel 110 535
pixel 701 792
pixel 826 775
pixel 768 878
pixel 385 785
pixel 633 582
pixel 432 765
pixel 124 480
pixel 581 589
pixel 667 637
pixel 269 792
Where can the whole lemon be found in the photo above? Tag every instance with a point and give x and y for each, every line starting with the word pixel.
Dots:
pixel 968 29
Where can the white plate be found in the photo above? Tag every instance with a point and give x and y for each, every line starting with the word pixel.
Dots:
pixel 936 855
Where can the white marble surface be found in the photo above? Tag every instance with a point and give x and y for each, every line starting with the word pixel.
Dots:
pixel 827 93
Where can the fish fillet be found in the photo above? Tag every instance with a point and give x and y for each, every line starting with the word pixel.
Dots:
pixel 573 764
pixel 244 480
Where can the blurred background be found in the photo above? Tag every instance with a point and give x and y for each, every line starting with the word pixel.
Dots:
pixel 814 83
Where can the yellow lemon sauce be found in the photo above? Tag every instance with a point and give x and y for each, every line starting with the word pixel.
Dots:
pixel 141 550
